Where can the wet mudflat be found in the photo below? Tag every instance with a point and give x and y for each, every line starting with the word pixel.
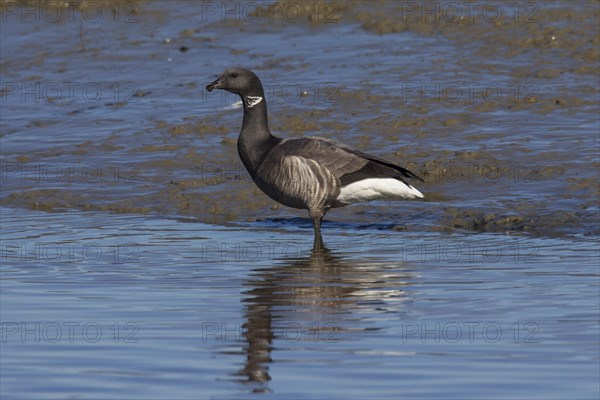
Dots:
pixel 139 258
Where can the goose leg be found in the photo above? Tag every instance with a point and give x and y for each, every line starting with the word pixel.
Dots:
pixel 317 217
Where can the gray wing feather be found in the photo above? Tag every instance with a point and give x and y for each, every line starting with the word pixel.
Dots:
pixel 331 155
pixel 296 181
pixel 344 162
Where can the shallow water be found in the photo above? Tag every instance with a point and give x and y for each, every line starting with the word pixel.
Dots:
pixel 96 305
pixel 139 258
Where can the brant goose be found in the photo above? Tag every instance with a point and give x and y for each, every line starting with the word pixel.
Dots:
pixel 308 173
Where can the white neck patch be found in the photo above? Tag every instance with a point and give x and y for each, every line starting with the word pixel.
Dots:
pixel 251 101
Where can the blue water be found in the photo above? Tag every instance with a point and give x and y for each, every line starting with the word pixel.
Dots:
pixel 97 305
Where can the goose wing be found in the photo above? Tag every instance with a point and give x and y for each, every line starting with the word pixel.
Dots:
pixel 347 164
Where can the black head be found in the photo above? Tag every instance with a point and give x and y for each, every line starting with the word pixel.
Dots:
pixel 238 80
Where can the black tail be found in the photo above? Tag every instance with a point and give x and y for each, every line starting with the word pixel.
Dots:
pixel 377 168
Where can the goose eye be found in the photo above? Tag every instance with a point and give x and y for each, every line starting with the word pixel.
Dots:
pixel 233 75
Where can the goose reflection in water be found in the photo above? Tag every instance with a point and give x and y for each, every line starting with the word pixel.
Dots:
pixel 317 300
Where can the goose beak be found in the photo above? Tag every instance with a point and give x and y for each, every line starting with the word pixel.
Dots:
pixel 215 85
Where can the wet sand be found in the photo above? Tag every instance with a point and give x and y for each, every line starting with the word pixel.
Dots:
pixel 500 118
